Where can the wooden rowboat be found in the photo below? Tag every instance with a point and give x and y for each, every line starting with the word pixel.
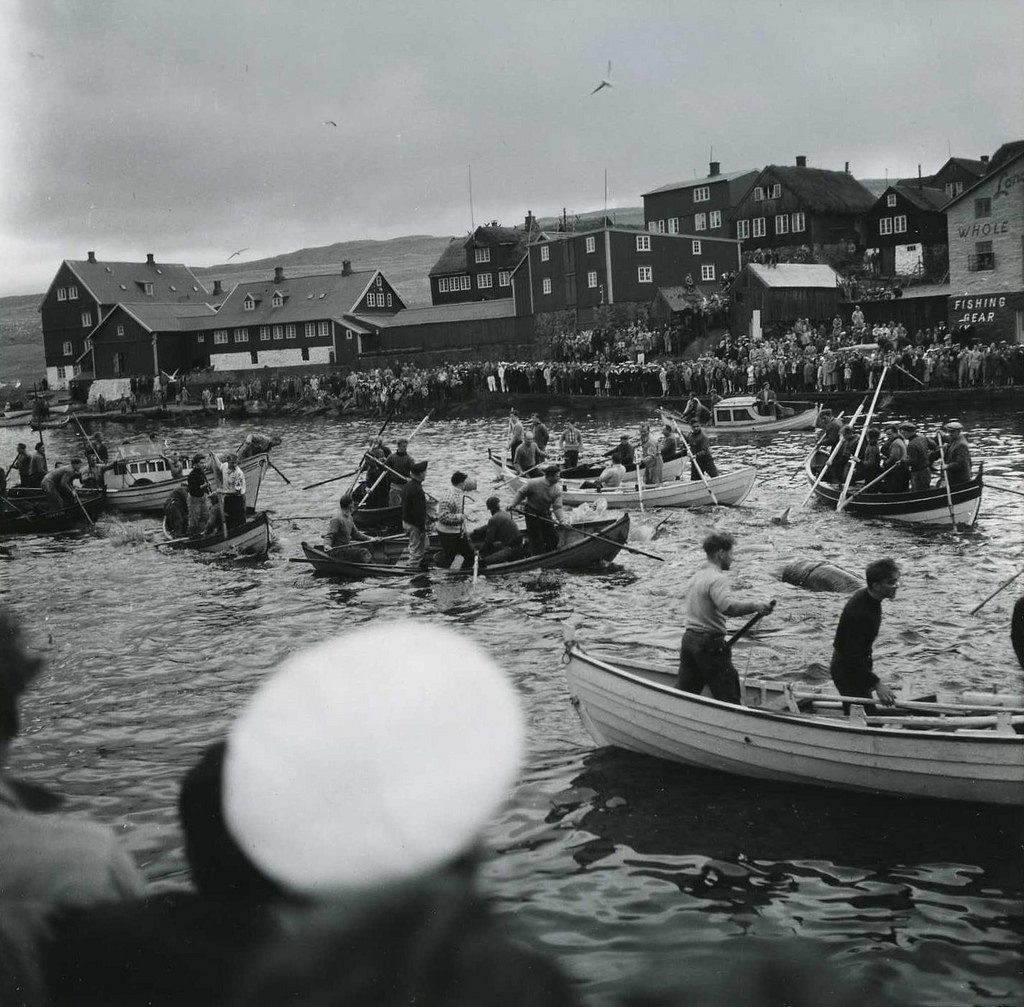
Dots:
pixel 577 551
pixel 928 507
pixel 26 511
pixel 738 415
pixel 950 752
pixel 250 539
pixel 671 469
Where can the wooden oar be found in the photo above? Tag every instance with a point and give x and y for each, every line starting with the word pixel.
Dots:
pixel 280 473
pixel 828 461
pixel 333 479
pixel 1001 587
pixel 860 442
pixel 867 486
pixel 587 534
pixel 988 485
pixel 945 482
pixel 84 511
pixel 749 625
pixel 693 462
pixel 639 481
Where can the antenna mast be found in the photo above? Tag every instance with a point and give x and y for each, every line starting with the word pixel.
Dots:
pixel 472 221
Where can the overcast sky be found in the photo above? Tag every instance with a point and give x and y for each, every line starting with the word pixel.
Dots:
pixel 195 128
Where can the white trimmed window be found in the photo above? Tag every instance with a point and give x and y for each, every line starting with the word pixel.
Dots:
pixel 673 225
pixel 592 279
pixel 702 194
pixel 379 280
pixel 241 335
pixel 67 348
pixel 265 333
pixel 546 286
pixel 147 288
pixel 72 293
pixel 278 299
pixel 464 283
pixel 323 329
pixel 389 300
pixel 776 191
pixel 799 221
pixel 652 226
pixel 645 274
pixel 696 248
pixel 120 330
pixel 643 242
pixel 482 255
pixel 290 331
pixel 759 227
pixel 700 221
pixel 742 229
pixel 442 285
pixel 249 304
pixel 62 293
pixel 62 373
pixel 758 193
pixel 885 225
pixel 591 243
pixel 200 337
pixel 782 223
pixel 504 279
pixel 545 253
pixel 86 319
pixel 220 336
pixel 484 281
pixel 371 299
pixel 715 218
pixel 310 330
pixel 899 223
pixel 707 271
pixel 954 189
pixel 890 200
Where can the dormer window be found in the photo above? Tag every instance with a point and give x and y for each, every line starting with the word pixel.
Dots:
pixel 249 304
pixel 278 299
pixel 890 200
pixel 147 288
pixel 483 255
pixel 758 193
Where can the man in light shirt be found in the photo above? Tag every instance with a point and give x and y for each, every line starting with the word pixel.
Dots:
pixel 705 659
pixel 233 481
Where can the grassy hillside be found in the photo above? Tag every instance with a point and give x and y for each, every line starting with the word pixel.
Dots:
pixel 21 339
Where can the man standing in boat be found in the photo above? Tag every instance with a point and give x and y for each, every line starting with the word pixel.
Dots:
pixel 59 485
pixel 401 464
pixel 700 453
pixel 705 659
pixel 451 522
pixel 414 514
pixel 571 443
pixel 233 480
pixel 198 490
pixel 542 500
pixel 37 466
pixel 958 454
pixel 852 666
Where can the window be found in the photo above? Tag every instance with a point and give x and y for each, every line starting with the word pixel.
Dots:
pixel 700 221
pixel 742 229
pixel 983 207
pixel 546 286
pixel 591 244
pixel 305 353
pixel 379 280
pixel 200 337
pixel 504 279
pixel 120 330
pixel 464 283
pixel 484 281
pixel 483 255
pixel 702 194
pixel 645 274
pixel 661 227
pixel 442 285
pixel 220 336
pixel 278 299
pixel 310 330
pixel 545 253
pixel 776 191
pixel 697 248
pixel 592 279
pixel 67 348
pixel 72 293
pixel 911 248
pixel 983 258
pixel 652 225
pixel 62 293
pixel 782 223
pixel 715 218
pixel 954 189
pixel 758 193
pixel 759 227
pixel 885 225
pixel 707 271
pixel 290 331
pixel 147 288
pixel 323 329
pixel 799 223
pixel 643 242
pixel 673 225
pixel 371 299
pixel 62 373
pixel 254 357
pixel 890 200
pixel 86 319
pixel 899 223
pixel 249 304
pixel 265 333
pixel 241 335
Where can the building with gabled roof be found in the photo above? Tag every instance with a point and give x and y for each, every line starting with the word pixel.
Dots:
pixel 84 291
pixel 701 206
pixel 789 206
pixel 957 174
pixel 764 294
pixel 907 229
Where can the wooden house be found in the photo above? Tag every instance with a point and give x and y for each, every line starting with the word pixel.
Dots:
pixel 793 206
pixel 701 206
pixel 907 228
pixel 761 295
pixel 957 174
pixel 84 291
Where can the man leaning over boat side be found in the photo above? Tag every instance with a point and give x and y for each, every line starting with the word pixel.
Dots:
pixel 705 659
pixel 542 505
pixel 852 665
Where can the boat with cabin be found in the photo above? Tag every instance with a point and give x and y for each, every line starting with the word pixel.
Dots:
pixel 739 414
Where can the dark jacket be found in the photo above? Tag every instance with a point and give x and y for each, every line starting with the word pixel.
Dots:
pixel 414 504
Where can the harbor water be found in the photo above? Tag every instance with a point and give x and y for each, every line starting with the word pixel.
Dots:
pixel 612 863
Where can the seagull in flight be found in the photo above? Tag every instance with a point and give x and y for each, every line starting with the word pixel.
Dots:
pixel 606 81
pixel 36 55
pixel 330 122
pixel 239 252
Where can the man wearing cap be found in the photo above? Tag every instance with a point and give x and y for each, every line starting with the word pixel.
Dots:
pixel 37 466
pixel 651 456
pixel 895 454
pixel 451 522
pixel 921 452
pixel 515 433
pixel 700 452
pixel 198 487
pixel 503 541
pixel 400 462
pixel 623 451
pixel 59 485
pixel 541 436
pixel 957 454
pixel 542 502
pixel 414 514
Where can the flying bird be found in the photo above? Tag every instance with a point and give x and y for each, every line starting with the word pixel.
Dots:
pixel 239 252
pixel 36 55
pixel 606 81
pixel 330 122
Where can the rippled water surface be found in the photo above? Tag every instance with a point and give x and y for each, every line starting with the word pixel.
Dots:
pixel 603 857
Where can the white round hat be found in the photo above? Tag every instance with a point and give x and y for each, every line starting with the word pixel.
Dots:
pixel 371 757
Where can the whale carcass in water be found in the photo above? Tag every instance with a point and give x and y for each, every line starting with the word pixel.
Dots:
pixel 817 575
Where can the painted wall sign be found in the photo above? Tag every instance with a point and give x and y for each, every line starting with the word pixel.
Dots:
pixel 986 230
pixel 1007 182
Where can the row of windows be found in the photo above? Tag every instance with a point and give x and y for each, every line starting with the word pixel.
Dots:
pixel 893 225
pixel 763 192
pixel 784 224
pixel 701 222
pixel 378 300
pixel 267 332
pixel 67 293
pixel 644 274
pixel 451 284
pixel 62 372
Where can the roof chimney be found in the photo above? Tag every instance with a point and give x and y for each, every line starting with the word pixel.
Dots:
pixel 714 168
pixel 984 158
pixel 217 291
pixel 346 267
pixel 91 256
pixel 801 160
pixel 847 168
pixel 530 222
pixel 278 274
pixel 149 259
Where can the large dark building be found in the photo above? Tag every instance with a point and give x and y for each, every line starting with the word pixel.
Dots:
pixel 908 229
pixel 702 207
pixel 479 267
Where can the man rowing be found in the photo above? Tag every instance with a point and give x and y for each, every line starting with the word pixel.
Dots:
pixel 700 453
pixel 542 504
pixel 342 532
pixel 503 542
pixel 921 452
pixel 59 485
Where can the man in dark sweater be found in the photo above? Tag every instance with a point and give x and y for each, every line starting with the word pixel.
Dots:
pixel 852 663
pixel 414 514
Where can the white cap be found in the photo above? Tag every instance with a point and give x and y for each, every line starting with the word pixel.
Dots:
pixel 371 757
